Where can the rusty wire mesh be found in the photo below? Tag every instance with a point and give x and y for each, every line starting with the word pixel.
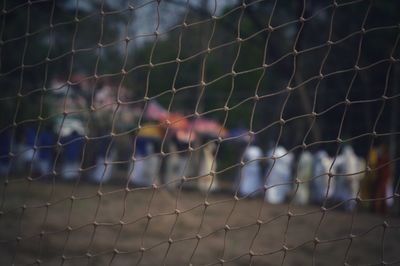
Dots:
pixel 45 220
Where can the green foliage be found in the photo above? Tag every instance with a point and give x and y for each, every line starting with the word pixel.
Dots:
pixel 232 70
pixel 43 40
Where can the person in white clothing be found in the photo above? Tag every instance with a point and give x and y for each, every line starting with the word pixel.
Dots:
pixel 146 165
pixel 347 170
pixel 206 180
pixel 102 171
pixel 279 175
pixel 250 176
pixel 320 180
pixel 304 174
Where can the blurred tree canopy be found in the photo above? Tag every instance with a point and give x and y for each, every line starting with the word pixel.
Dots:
pixel 51 39
pixel 353 44
pixel 40 41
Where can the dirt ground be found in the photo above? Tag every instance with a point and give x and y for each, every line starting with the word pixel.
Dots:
pixel 46 223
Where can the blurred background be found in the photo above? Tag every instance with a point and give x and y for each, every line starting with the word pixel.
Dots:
pixel 197 95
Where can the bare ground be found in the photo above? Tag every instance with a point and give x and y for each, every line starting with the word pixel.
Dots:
pixel 47 223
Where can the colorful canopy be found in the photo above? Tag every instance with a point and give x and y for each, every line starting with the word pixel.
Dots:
pixel 208 127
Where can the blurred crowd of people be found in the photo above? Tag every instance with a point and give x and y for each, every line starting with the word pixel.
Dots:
pixel 278 175
pixel 77 144
pixel 168 148
pixel 42 152
pixel 316 178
